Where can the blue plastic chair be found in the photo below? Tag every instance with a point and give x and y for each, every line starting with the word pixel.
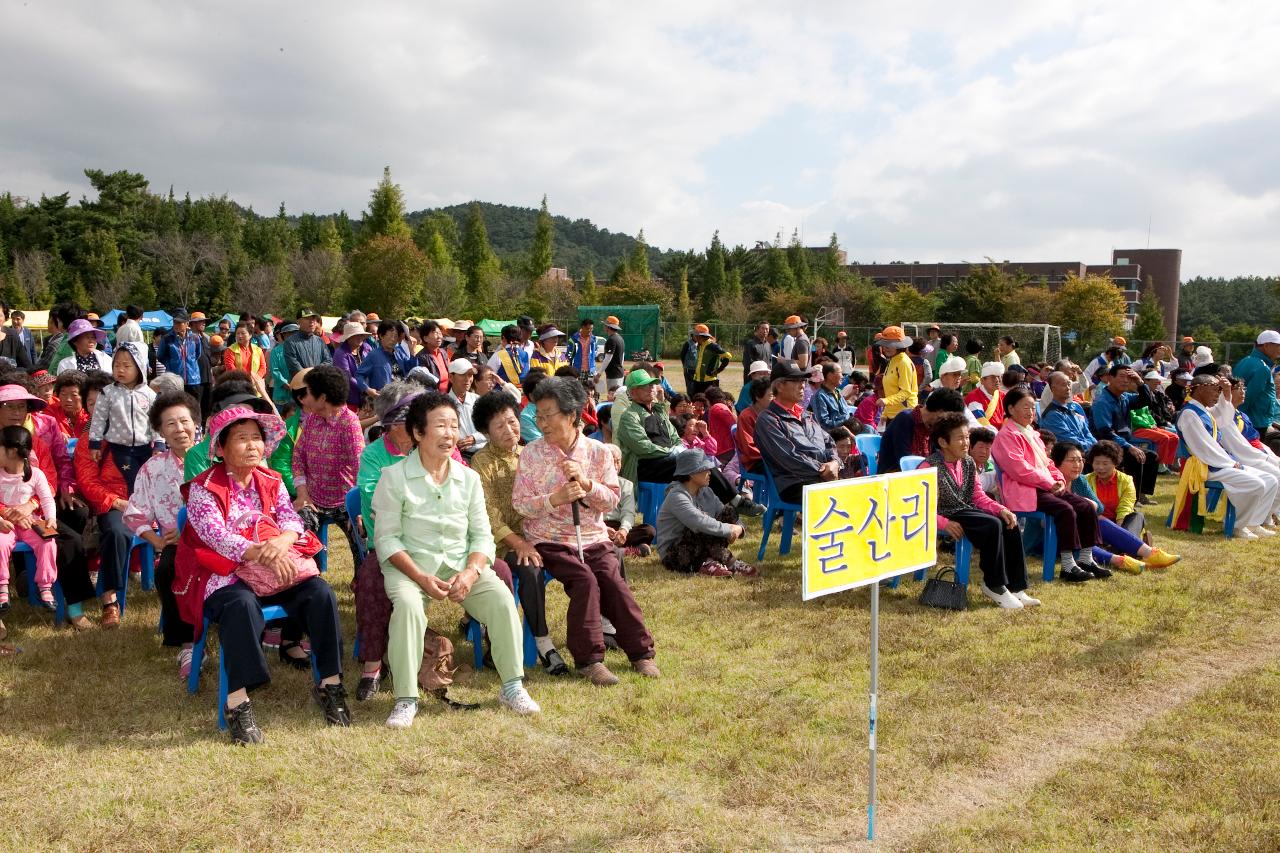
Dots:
pixel 353 513
pixel 1213 492
pixel 147 561
pixel 33 594
pixel 649 500
pixel 1050 555
pixel 910 463
pixel 868 445
pixel 197 661
pixel 964 554
pixel 774 507
pixel 475 634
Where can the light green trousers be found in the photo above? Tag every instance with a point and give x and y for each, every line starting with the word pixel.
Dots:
pixel 489 601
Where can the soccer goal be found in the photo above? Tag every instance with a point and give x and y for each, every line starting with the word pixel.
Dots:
pixel 1036 342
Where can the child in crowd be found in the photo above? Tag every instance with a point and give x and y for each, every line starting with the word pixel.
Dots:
pixel 852 463
pixel 980 441
pixel 122 414
pixel 22 486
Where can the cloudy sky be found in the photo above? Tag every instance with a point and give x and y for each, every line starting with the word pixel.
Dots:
pixel 916 131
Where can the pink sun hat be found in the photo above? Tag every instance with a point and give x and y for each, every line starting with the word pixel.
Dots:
pixel 271 425
pixel 10 393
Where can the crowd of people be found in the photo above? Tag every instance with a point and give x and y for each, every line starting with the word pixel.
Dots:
pixel 480 469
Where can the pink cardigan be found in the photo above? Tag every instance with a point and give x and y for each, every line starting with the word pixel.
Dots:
pixel 1021 474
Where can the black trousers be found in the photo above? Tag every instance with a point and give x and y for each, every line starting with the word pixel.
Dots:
pixel 114 539
pixel 175 632
pixel 1074 518
pixel 663 470
pixel 1143 473
pixel 310 606
pixel 73 567
pixel 533 595
pixel 999 549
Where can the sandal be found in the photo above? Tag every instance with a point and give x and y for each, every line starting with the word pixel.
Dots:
pixel 7 650
pixel 303 663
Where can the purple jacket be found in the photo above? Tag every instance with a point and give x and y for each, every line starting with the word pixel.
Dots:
pixel 347 362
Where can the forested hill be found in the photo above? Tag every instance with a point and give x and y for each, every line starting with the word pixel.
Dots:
pixel 579 244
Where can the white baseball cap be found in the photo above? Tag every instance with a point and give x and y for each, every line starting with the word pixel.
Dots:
pixel 992 368
pixel 461 366
pixel 1155 374
pixel 953 364
pixel 1270 336
pixel 758 367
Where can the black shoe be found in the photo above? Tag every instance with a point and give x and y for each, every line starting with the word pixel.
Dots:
pixel 242 726
pixel 303 662
pixel 553 663
pixel 1074 575
pixel 750 509
pixel 4 607
pixel 368 687
pixel 332 699
pixel 1097 570
pixel 611 642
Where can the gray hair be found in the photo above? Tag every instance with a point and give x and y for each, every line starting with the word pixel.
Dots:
pixel 392 393
pixel 568 393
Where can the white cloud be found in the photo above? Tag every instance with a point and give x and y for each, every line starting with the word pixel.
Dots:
pixel 929 131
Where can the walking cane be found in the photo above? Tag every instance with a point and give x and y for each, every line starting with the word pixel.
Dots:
pixel 577 529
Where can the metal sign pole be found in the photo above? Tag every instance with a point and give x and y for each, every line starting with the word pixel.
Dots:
pixel 875 679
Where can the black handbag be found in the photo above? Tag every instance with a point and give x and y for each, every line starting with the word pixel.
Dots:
pixel 947 594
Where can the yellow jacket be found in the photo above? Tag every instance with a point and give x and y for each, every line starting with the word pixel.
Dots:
pixel 1126 494
pixel 900 388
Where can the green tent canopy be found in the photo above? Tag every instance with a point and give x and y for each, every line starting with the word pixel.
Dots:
pixel 493 328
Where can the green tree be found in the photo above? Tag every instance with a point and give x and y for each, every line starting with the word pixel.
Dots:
pixel 638 261
pixel 543 239
pixel 904 304
pixel 831 269
pixel 778 274
pixel 479 265
pixel 387 275
pixel 684 308
pixel 987 294
pixel 798 259
pixel 1148 325
pixel 1093 308
pixel 590 295
pixel 142 291
pixel 735 284
pixel 103 269
pixel 714 281
pixel 386 211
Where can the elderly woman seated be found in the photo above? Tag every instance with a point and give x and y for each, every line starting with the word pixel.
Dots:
pixel 564 484
pixel 152 511
pixel 497 415
pixel 434 542
pixel 695 528
pixel 244 548
pixel 1030 481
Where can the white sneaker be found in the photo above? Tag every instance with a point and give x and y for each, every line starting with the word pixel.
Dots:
pixel 520 702
pixel 1026 600
pixel 1245 533
pixel 1260 530
pixel 1004 598
pixel 402 714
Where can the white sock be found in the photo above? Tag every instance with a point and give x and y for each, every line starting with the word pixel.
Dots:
pixel 607 627
pixel 1067 560
pixel 1084 557
pixel 544 644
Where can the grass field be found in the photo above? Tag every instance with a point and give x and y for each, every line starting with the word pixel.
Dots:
pixel 1139 713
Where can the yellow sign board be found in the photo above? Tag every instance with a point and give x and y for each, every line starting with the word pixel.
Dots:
pixel 861 531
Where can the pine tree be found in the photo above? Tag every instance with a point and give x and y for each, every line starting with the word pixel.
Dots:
pixel 638 262
pixel 142 291
pixel 778 274
pixel 1148 325
pixel 543 238
pixel 478 263
pixel 832 271
pixel 798 259
pixel 735 284
pixel 713 276
pixel 590 294
pixel 386 211
pixel 684 312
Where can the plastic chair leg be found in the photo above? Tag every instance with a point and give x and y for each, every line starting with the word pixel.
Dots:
pixel 765 527
pixel 788 528
pixel 148 560
pixel 222 690
pixel 475 635
pixel 322 558
pixel 1229 521
pixel 964 554
pixel 197 660
pixel 1050 549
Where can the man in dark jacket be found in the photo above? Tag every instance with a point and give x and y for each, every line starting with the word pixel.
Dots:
pixel 306 348
pixel 756 348
pixel 1113 400
pixel 794 445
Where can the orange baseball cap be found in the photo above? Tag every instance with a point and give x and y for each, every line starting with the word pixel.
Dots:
pixel 216 340
pixel 702 330
pixel 198 315
pixel 372 315
pixel 794 322
pixel 1119 341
